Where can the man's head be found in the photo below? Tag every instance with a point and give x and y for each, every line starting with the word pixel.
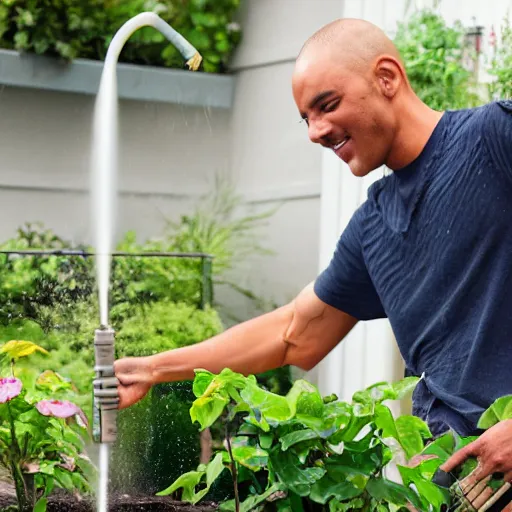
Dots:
pixel 349 85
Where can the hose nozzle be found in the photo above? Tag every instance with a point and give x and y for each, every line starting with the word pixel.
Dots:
pixel 106 398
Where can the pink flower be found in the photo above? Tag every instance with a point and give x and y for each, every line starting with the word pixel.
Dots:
pixel 57 408
pixel 9 389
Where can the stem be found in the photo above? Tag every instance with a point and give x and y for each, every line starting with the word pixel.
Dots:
pixel 23 488
pixel 233 470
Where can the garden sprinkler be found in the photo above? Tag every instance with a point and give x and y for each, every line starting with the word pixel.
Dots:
pixel 104 192
pixel 106 398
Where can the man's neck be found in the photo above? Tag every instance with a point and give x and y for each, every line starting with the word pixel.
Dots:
pixel 417 123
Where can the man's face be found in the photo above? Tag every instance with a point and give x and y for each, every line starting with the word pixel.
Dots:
pixel 344 111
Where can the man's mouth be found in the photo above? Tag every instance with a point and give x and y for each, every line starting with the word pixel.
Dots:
pixel 340 144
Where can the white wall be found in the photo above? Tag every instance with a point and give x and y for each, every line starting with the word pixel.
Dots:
pixel 167 154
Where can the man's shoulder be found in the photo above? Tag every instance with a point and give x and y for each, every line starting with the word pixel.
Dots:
pixel 485 113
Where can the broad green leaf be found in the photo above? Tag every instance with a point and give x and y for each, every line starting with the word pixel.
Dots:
pixel 501 409
pixel 442 447
pixel 304 398
pixel 356 424
pixel 214 469
pixel 346 506
pixel 426 489
pixel 266 406
pixel 328 487
pixel 207 409
pixel 252 501
pixel 384 421
pixel 247 454
pixel 15 349
pixel 266 441
pixel 296 437
pixel 40 505
pixel 405 387
pixel 188 482
pixel 52 381
pixel 288 468
pixel 382 489
pixel 411 432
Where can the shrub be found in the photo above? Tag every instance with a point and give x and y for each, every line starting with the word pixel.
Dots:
pixel 433 56
pixel 74 28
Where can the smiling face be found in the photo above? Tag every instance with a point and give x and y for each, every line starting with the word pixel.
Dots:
pixel 346 109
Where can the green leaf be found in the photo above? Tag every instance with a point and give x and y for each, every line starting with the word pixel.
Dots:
pixel 442 447
pixel 15 349
pixel 428 491
pixel 202 380
pixel 252 457
pixel 384 421
pixel 501 409
pixel 405 387
pixel 40 505
pixel 188 482
pixel 206 409
pixel 265 406
pixel 382 489
pixel 266 440
pixel 288 468
pixel 411 431
pixel 347 506
pixel 304 398
pixel 336 483
pixel 296 437
pixel 252 501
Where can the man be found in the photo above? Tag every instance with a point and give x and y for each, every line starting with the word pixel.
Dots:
pixel 431 248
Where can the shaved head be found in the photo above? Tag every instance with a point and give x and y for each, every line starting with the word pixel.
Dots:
pixel 356 43
pixel 351 88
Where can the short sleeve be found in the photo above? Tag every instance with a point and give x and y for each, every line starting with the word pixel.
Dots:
pixel 345 284
pixel 498 135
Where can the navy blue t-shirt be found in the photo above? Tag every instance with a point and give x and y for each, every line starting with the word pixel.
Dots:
pixel 431 250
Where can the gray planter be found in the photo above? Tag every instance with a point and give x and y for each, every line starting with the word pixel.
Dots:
pixel 134 82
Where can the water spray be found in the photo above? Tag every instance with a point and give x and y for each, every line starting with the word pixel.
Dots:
pixel 104 195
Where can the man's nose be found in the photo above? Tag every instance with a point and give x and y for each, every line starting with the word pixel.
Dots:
pixel 318 130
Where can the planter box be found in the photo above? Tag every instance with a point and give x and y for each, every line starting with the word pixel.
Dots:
pixel 134 82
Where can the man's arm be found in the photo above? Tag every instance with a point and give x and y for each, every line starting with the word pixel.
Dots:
pixel 301 334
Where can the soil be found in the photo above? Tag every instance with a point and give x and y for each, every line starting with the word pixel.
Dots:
pixel 62 501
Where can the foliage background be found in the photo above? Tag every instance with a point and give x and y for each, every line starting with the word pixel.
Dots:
pixel 70 29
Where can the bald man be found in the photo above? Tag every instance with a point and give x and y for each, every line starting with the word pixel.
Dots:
pixel 430 249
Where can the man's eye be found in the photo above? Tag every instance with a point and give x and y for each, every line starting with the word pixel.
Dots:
pixel 329 107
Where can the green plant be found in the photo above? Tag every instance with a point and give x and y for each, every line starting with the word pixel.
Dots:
pixel 41 446
pixel 501 65
pixel 74 28
pixel 68 29
pixel 433 56
pixel 165 325
pixel 207 24
pixel 304 449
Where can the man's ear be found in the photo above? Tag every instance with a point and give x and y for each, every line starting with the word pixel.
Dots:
pixel 389 74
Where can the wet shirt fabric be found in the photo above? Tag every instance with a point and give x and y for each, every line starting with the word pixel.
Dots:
pixel 431 250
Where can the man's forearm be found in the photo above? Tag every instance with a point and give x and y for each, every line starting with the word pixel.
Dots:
pixel 254 346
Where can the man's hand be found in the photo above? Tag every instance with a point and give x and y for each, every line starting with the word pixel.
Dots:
pixel 493 450
pixel 134 375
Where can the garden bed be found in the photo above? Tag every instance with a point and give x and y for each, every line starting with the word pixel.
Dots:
pixel 63 501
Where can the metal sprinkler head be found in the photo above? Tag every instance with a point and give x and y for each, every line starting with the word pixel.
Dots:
pixel 106 397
